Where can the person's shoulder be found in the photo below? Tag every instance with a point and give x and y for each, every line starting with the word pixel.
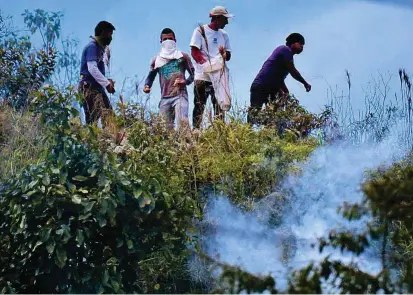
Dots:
pixel 91 44
pixel 283 49
pixel 197 29
pixel 223 32
pixel 152 61
pixel 185 55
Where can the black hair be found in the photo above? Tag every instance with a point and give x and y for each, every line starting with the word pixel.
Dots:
pixel 215 17
pixel 103 26
pixel 168 31
pixel 293 38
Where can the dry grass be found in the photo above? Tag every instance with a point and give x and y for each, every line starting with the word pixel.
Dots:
pixel 20 141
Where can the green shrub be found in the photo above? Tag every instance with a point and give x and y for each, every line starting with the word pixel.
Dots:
pixel 246 164
pixel 85 221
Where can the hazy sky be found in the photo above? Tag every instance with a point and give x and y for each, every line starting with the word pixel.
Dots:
pixel 364 37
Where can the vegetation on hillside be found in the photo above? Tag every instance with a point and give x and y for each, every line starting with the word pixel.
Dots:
pixel 86 210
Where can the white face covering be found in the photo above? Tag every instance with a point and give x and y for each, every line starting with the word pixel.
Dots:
pixel 167 53
pixel 168 49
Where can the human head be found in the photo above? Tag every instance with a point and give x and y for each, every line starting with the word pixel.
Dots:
pixel 296 42
pixel 104 30
pixel 167 34
pixel 219 16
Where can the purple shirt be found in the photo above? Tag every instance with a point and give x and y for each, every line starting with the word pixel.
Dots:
pixel 274 70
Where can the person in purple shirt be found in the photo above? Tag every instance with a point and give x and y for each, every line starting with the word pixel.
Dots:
pixel 269 83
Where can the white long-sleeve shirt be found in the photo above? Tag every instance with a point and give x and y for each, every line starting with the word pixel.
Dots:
pixel 94 71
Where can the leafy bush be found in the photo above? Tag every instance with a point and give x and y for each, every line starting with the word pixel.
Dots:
pixel 22 71
pixel 289 114
pixel 388 202
pixel 84 221
pixel 25 68
pixel 244 163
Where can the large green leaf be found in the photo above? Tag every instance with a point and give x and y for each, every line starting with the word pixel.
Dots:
pixel 88 206
pixel 101 220
pixel 50 246
pixel 76 199
pixel 156 185
pixel 45 233
pixel 105 277
pixel 80 178
pixel 80 237
pixel 46 179
pixel 137 192
pixel 60 257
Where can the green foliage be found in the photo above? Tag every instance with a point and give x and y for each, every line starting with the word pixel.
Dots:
pixel 47 23
pixel 86 221
pixel 244 163
pixel 25 69
pixel 23 72
pixel 388 202
pixel 22 69
pixel 289 114
pixel 90 211
pixel 389 197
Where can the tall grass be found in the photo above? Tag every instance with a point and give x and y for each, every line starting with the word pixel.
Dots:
pixel 382 109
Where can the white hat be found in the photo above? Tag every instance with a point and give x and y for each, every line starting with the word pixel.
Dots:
pixel 220 10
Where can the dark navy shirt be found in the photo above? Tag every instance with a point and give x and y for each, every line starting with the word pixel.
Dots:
pixel 92 52
pixel 274 70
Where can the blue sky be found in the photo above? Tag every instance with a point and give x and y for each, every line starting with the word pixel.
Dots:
pixel 364 37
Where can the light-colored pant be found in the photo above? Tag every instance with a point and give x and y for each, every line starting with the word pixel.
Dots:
pixel 174 107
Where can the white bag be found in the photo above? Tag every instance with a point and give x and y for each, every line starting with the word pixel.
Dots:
pixel 213 64
pixel 218 74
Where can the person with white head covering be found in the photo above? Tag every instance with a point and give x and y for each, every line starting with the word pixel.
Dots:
pixel 171 64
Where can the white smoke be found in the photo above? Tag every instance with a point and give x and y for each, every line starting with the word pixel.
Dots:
pixel 333 174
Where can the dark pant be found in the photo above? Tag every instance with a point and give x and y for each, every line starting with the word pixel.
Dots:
pixel 96 103
pixel 202 89
pixel 258 97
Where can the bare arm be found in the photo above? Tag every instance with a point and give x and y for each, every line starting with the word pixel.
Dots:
pixel 295 73
pixel 197 55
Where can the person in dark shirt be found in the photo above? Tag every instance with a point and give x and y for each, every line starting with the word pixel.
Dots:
pixel 269 83
pixel 92 75
pixel 171 65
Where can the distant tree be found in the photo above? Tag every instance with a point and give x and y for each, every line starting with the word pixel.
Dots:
pixel 25 68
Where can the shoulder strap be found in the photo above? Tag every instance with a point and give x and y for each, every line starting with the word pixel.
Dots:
pixel 202 31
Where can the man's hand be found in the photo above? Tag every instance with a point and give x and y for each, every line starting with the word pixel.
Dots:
pixel 111 87
pixel 202 61
pixel 222 50
pixel 180 82
pixel 146 89
pixel 307 87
